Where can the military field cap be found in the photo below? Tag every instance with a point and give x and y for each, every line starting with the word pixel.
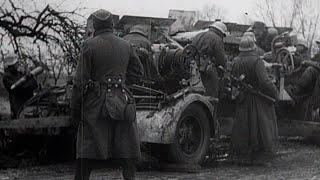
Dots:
pixel 139 29
pixel 10 59
pixel 102 19
pixel 102 15
pixel 259 25
pixel 247 44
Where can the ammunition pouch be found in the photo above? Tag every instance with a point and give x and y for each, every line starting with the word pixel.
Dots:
pixel 119 102
pixel 130 112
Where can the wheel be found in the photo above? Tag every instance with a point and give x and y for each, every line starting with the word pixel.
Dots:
pixel 192 136
pixel 285 58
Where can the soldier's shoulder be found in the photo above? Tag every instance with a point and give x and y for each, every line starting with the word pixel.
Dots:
pixel 212 33
pixel 120 40
pixel 88 42
pixel 127 36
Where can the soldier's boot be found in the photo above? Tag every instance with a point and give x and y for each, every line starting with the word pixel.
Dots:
pixel 129 169
pixel 83 169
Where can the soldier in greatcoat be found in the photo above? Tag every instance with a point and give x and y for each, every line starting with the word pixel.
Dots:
pixel 255 127
pixel 103 108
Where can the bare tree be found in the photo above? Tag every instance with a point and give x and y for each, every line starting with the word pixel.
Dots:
pixel 46 37
pixel 210 12
pixel 301 15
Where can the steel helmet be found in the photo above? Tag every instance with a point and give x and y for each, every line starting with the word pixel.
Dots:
pixel 273 31
pixel 247 44
pixel 139 29
pixel 10 59
pixel 302 42
pixel 251 35
pixel 220 26
pixel 258 25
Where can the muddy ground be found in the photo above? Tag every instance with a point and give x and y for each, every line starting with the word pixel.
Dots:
pixel 295 160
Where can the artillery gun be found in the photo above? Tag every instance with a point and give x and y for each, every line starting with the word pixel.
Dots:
pixel 172 112
pixel 291 115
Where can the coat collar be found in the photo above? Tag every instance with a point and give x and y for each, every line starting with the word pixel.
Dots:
pixel 96 33
pixel 248 53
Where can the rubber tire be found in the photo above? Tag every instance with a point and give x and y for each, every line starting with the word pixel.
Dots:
pixel 175 153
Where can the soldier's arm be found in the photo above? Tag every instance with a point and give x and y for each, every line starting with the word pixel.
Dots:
pixel 135 69
pixel 265 82
pixel 307 81
pixel 218 53
pixel 7 82
pixel 30 85
pixel 82 76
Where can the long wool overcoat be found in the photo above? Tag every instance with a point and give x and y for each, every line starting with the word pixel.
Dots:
pixel 255 126
pixel 102 131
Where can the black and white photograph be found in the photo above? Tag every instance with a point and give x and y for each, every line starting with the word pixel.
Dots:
pixel 160 90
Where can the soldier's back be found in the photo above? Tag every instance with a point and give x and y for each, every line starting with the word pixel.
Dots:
pixel 109 55
pixel 245 64
pixel 204 42
pixel 138 41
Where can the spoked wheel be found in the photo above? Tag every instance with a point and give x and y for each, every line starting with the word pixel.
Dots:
pixel 285 58
pixel 192 136
pixel 189 135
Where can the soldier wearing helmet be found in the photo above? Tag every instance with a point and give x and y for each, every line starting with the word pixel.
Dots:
pixel 255 128
pixel 301 53
pixel 19 95
pixel 260 30
pixel 211 48
pixel 259 51
pixel 272 33
pixel 102 106
pixel 305 91
pixel 138 37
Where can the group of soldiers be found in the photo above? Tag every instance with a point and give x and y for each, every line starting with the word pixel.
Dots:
pixel 103 108
pixel 255 129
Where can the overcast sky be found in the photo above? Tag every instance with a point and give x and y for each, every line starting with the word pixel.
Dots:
pixel 160 8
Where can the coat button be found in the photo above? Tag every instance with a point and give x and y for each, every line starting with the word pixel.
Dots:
pixel 123 90
pixel 109 80
pixel 120 80
pixel 116 85
pixel 109 90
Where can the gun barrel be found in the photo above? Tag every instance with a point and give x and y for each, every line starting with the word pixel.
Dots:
pixel 34 72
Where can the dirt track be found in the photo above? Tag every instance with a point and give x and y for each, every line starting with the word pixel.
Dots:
pixel 295 160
